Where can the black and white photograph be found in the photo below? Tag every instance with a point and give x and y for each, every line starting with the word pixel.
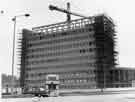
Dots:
pixel 67 50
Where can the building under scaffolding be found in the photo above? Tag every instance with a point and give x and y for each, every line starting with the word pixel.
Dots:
pixel 80 52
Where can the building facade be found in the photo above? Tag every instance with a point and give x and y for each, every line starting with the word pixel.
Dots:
pixel 123 77
pixel 80 52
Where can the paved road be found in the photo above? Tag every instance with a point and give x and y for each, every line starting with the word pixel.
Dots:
pixel 126 97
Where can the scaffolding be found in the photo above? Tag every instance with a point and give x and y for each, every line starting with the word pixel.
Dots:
pixel 104 35
pixel 106 54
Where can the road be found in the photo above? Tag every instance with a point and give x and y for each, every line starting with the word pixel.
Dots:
pixel 124 97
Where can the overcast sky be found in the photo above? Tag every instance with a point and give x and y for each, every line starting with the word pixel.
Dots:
pixel 121 11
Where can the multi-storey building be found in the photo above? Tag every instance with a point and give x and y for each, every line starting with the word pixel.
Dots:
pixel 80 52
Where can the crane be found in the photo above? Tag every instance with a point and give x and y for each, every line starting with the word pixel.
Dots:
pixel 67 11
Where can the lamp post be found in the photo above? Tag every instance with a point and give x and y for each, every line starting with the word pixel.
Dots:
pixel 14 19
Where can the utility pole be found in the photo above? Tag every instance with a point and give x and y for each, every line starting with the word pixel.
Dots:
pixel 13 55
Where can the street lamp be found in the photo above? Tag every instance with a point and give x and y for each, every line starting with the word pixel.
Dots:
pixel 14 19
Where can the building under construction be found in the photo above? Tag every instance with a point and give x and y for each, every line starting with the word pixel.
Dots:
pixel 81 52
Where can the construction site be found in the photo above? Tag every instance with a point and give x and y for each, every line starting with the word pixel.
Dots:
pixel 81 53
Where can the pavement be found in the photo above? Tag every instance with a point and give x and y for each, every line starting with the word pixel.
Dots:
pixel 120 95
pixel 126 97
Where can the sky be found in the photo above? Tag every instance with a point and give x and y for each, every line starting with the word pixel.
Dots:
pixel 121 11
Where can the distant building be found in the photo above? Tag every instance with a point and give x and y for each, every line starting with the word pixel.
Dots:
pixel 7 84
pixel 81 53
pixel 123 77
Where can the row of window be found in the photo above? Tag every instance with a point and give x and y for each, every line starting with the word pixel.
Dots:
pixel 62 46
pixel 86 80
pixel 62 37
pixel 78 86
pixel 62 52
pixel 69 63
pixel 77 74
pixel 67 39
pixel 67 75
pixel 42 55
pixel 123 77
pixel 87 50
pixel 32 87
pixel 40 36
pixel 75 65
pixel 65 81
pixel 61 59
